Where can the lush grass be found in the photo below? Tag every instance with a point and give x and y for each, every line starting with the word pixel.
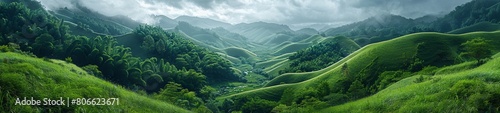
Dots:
pixel 437 94
pixel 23 76
pixel 388 55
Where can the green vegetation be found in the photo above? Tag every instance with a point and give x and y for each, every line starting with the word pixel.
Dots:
pixel 370 70
pixel 25 76
pixel 482 26
pixel 379 28
pixel 470 90
pixel 206 66
pixel 477 48
pixel 240 53
pixel 321 55
pixel 468 14
pixel 166 57
pixel 257 30
pixel 91 21
pixel 292 47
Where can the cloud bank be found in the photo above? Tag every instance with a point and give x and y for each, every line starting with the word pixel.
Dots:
pixel 290 12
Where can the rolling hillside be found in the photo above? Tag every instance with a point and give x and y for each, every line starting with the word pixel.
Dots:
pixel 25 76
pixel 369 62
pixel 461 90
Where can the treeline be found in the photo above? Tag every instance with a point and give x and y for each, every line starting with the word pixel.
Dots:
pixel 469 14
pixel 379 28
pixel 92 21
pixel 176 61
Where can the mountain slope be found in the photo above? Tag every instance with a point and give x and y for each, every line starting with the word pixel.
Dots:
pixel 378 28
pixel 24 76
pixel 165 22
pixel 101 24
pixel 205 23
pixel 468 14
pixel 482 26
pixel 367 63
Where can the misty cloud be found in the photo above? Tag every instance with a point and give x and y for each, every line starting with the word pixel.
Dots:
pixel 291 12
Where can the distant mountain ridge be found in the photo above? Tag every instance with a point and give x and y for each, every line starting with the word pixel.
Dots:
pixel 202 22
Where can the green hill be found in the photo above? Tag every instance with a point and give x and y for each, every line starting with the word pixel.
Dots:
pixel 321 55
pixel 276 39
pixel 165 22
pixel 24 76
pixel 96 22
pixel 379 28
pixel 309 31
pixel 367 65
pixel 289 46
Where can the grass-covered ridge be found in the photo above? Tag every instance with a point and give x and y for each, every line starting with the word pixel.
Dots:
pixel 368 63
pixel 24 76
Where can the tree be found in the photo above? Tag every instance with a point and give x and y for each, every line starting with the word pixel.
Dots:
pixel 43 45
pixel 345 70
pixel 357 90
pixel 477 48
pixel 258 105
pixel 148 43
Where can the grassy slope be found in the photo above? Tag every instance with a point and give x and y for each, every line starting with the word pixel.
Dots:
pixel 287 47
pixel 24 76
pixel 292 47
pixel 390 54
pixel 284 50
pixel 430 96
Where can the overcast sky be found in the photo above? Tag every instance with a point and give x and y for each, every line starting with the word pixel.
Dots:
pixel 290 12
